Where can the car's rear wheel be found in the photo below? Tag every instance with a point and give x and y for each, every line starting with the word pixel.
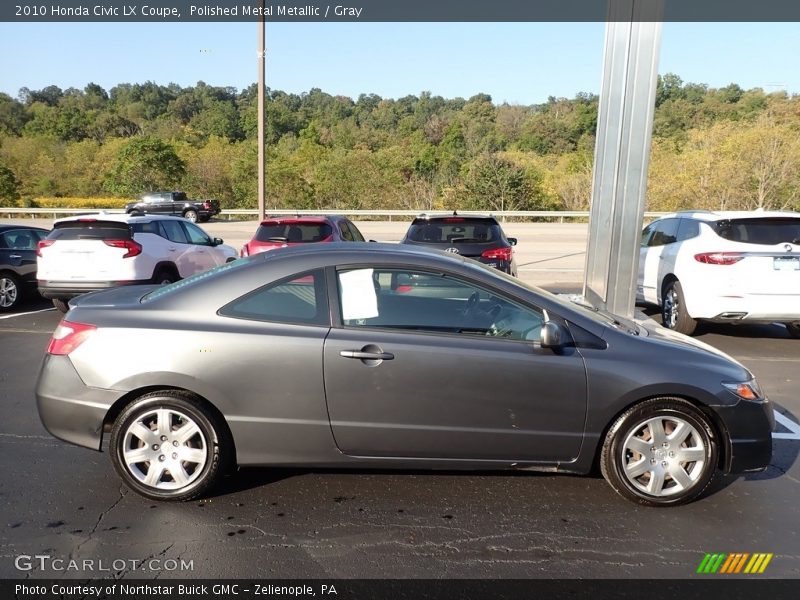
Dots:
pixel 61 305
pixel 794 329
pixel 673 309
pixel 167 446
pixel 164 276
pixel 661 452
pixel 191 215
pixel 10 291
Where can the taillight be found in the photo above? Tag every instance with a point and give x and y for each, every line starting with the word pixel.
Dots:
pixel 43 244
pixel 68 336
pixel 134 248
pixel 244 251
pixel 719 258
pixel 498 253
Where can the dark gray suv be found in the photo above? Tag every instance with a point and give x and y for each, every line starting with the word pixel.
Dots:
pixel 381 355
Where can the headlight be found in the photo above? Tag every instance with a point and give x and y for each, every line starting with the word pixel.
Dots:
pixel 747 390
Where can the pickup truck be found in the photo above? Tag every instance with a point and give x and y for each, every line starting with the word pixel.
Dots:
pixel 173 203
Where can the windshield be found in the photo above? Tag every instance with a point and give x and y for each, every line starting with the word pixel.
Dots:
pixel 454 230
pixel 767 231
pixel 294 232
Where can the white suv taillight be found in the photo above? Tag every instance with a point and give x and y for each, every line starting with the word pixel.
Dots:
pixel 43 244
pixel 134 248
pixel 719 258
pixel 68 336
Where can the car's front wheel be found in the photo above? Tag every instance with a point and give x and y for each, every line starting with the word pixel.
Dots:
pixel 191 215
pixel 661 452
pixel 10 291
pixel 168 446
pixel 673 310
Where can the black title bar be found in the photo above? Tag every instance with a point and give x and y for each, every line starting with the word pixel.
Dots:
pixel 153 11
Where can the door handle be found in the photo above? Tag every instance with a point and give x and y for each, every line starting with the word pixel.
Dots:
pixel 366 355
pixel 14 256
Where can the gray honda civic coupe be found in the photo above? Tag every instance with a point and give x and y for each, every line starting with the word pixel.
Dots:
pixel 380 356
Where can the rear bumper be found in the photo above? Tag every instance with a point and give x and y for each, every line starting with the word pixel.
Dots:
pixel 506 266
pixel 64 290
pixel 68 408
pixel 731 307
pixel 749 426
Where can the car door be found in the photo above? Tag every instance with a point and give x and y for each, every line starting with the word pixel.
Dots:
pixel 18 251
pixel 200 252
pixel 651 262
pixel 179 251
pixel 427 365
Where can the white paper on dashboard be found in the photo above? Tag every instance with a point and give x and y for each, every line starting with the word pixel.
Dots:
pixel 359 299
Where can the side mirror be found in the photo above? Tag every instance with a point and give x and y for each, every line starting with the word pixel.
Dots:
pixel 373 241
pixel 552 335
pixel 512 241
pixel 216 241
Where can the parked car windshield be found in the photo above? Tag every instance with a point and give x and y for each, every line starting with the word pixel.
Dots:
pixel 768 231
pixel 90 229
pixel 294 232
pixel 454 229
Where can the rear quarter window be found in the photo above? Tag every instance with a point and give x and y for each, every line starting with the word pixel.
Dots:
pixel 293 232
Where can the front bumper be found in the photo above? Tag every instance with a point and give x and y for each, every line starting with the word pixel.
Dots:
pixel 749 425
pixel 68 408
pixel 64 290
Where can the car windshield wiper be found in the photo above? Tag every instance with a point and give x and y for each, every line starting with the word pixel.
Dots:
pixel 464 239
pixel 277 239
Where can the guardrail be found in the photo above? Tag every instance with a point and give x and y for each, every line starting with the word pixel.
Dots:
pixel 503 214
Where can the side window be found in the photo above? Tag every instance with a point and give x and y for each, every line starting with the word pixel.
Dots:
pixel 344 230
pixel 665 232
pixel 432 302
pixel 647 232
pixel 196 235
pixel 357 237
pixel 152 199
pixel 688 229
pixel 300 300
pixel 20 239
pixel 173 231
pixel 150 227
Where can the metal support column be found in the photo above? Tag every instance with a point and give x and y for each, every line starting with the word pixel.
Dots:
pixel 262 151
pixel 622 153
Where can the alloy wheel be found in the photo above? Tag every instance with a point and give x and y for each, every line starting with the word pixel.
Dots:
pixel 9 292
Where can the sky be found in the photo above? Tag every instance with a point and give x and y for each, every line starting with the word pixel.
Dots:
pixel 517 63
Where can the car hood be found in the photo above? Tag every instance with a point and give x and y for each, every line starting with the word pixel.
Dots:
pixel 660 334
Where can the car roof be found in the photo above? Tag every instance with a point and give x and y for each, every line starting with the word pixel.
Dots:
pixel 12 227
pixel 722 215
pixel 300 219
pixel 119 217
pixel 453 215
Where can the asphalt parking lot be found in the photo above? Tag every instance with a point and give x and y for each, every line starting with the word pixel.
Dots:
pixel 66 502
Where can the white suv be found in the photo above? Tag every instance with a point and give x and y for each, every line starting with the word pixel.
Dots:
pixel 95 252
pixel 722 266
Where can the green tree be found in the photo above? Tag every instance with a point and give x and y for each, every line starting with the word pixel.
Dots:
pixel 9 186
pixel 145 164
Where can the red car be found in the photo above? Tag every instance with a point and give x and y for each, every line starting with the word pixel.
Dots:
pixel 278 232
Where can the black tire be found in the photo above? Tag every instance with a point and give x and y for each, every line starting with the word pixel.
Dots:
pixel 631 429
pixel 11 292
pixel 135 213
pixel 61 305
pixel 191 215
pixel 673 309
pixel 794 329
pixel 211 440
pixel 165 275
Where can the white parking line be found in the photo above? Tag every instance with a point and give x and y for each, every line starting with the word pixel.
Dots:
pixel 33 312
pixel 790 425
